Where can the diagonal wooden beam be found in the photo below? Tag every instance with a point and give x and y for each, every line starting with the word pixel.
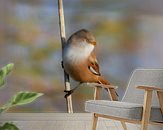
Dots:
pixel 112 94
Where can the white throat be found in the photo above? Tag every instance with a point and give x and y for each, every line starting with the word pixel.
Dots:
pixel 75 53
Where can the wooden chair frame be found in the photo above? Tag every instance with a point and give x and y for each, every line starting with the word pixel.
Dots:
pixel 146 107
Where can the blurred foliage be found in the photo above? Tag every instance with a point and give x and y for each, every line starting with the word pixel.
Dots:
pixel 8 126
pixel 4 72
pixel 20 98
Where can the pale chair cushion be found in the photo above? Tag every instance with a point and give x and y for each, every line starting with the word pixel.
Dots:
pixel 132 111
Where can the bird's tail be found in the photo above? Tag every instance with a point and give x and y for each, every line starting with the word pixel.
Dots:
pixel 101 80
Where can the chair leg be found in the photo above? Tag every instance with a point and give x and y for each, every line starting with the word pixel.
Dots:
pixel 97 93
pixel 94 123
pixel 160 98
pixel 124 125
pixel 146 110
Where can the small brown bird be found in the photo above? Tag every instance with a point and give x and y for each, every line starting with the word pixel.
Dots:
pixel 79 59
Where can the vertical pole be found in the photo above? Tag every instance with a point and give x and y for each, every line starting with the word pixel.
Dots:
pixel 63 41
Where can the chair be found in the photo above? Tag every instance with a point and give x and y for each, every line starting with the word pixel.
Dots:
pixel 141 104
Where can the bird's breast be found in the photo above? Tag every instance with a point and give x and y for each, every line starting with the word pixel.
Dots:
pixel 75 60
pixel 75 54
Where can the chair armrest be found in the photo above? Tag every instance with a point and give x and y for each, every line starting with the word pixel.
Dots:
pixel 107 86
pixel 111 91
pixel 103 85
pixel 149 88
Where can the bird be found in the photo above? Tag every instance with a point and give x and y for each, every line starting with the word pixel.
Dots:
pixel 79 59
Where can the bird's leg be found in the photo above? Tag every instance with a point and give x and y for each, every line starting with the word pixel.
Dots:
pixel 69 92
pixel 62 65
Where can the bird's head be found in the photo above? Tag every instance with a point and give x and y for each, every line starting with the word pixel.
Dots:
pixel 83 35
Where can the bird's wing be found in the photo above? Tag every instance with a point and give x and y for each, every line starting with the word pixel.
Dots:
pixel 93 64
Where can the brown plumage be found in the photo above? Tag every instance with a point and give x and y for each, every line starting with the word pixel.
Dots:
pixel 79 59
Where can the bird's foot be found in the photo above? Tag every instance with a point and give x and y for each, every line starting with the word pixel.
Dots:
pixel 68 93
pixel 62 65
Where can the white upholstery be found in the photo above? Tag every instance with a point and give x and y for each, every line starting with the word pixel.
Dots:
pixel 132 111
pixel 131 105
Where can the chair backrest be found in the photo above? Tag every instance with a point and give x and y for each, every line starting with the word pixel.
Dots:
pixel 146 77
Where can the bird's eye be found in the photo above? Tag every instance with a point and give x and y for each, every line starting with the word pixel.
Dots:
pixel 87 40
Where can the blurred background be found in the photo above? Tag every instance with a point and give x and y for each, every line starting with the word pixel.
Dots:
pixel 129 35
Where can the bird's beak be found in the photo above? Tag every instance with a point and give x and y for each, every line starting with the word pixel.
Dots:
pixel 94 43
pixel 91 42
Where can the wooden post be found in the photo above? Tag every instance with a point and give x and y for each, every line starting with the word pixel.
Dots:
pixel 63 41
pixel 97 96
pixel 146 109
pixel 97 93
pixel 160 98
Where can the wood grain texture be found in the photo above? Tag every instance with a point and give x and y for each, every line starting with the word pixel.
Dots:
pixel 124 125
pixel 146 109
pixel 97 93
pixel 112 94
pixel 160 98
pixel 97 96
pixel 94 122
pixel 150 88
